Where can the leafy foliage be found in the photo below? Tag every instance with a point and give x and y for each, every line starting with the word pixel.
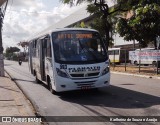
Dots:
pixel 144 25
pixel 10 52
pixel 25 45
pixel 12 49
pixel 104 17
pixel 73 2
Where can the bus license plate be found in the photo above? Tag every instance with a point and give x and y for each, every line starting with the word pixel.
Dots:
pixel 85 87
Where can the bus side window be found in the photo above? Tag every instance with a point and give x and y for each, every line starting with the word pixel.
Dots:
pixel 49 53
pixel 34 47
pixel 116 52
pixel 34 44
pixel 38 48
pixel 109 52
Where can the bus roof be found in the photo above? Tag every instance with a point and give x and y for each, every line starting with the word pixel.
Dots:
pixel 146 49
pixel 48 31
pixel 114 48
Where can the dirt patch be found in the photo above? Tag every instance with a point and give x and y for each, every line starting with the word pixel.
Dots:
pixel 143 70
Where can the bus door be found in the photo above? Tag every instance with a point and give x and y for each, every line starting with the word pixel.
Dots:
pixel 31 56
pixel 42 59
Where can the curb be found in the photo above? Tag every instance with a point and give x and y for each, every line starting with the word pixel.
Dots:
pixel 130 74
pixel 35 108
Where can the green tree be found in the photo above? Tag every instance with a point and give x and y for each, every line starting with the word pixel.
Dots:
pixel 10 52
pixel 143 25
pixel 12 49
pixel 24 45
pixel 104 16
pixel 98 22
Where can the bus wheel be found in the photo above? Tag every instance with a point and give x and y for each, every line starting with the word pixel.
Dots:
pixel 37 80
pixel 50 85
pixel 135 63
pixel 154 63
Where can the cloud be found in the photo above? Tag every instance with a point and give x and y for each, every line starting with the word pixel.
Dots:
pixel 26 4
pixel 24 18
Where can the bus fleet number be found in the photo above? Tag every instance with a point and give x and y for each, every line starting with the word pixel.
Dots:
pixel 63 66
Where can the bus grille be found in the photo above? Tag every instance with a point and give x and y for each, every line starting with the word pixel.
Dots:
pixel 85 84
pixel 79 75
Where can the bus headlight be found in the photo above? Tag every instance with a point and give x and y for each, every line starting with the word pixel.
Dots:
pixel 105 71
pixel 61 73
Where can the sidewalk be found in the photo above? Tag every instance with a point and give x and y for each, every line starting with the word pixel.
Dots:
pixel 134 71
pixel 13 102
pixel 137 75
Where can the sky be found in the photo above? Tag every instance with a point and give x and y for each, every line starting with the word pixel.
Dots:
pixel 23 18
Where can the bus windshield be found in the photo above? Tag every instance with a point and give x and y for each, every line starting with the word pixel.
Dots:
pixel 78 47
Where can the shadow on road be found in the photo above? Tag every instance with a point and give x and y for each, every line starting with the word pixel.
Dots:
pixel 14 79
pixel 113 96
pixel 7 88
pixel 7 64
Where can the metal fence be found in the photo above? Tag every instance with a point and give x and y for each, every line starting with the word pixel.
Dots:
pixel 120 61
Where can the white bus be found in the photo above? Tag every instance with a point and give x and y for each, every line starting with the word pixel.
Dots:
pixel 69 59
pixel 145 56
pixel 118 55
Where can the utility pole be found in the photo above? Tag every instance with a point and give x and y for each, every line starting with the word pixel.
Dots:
pixel 1 47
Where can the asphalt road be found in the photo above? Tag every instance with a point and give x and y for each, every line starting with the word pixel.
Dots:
pixel 127 96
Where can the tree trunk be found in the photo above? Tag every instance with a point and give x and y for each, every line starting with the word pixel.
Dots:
pixel 155 43
pixel 107 35
pixel 1 53
pixel 106 29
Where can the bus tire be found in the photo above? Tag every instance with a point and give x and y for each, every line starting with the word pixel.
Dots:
pixel 36 79
pixel 50 85
pixel 154 63
pixel 135 63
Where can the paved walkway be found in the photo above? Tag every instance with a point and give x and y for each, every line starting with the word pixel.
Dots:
pixel 135 74
pixel 13 102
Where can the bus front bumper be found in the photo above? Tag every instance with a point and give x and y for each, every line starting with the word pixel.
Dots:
pixel 67 84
